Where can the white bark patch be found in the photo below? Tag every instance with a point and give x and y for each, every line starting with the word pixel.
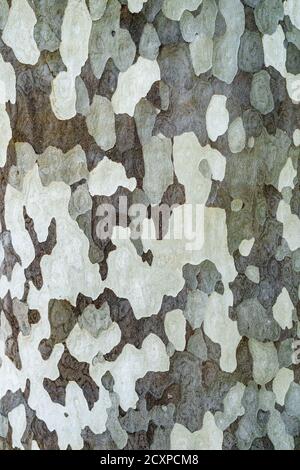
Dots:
pixel 85 347
pixel 101 123
pixel 135 6
pixel 293 87
pixel 210 437
pixel 17 420
pixel 274 50
pixel 226 47
pixel 237 136
pixel 131 365
pixel 173 9
pixel 265 361
pixel 201 50
pixel 18 32
pixel 221 329
pixel 296 137
pixel 63 96
pixel 134 84
pixel 7 82
pixel 287 176
pixel 252 273
pixel 105 179
pixel 175 325
pixel 188 155
pixel 75 35
pixel 283 310
pixel 281 384
pixel 217 117
pixel 246 247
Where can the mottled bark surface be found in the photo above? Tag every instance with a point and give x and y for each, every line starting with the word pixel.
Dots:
pixel 147 343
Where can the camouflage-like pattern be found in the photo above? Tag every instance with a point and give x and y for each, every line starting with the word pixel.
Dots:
pixel 132 345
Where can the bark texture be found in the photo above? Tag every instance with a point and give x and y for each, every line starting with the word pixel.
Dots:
pixel 149 343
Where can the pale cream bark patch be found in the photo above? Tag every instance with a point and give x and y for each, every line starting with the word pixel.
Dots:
pixel 105 179
pixel 237 136
pixel 135 6
pixel 233 407
pixel 226 46
pixel 217 117
pixel 291 225
pixel 188 154
pixel 18 422
pixel 277 432
pixel 148 283
pixel 210 437
pixel 175 326
pixel 293 87
pixel 274 50
pixel 85 347
pixel 101 122
pixel 265 361
pixel 221 329
pixel 246 247
pixel 134 84
pixel 281 384
pixel 287 176
pixel 19 32
pixel 283 310
pixel 15 285
pixel 131 365
pixel 7 93
pixel 34 445
pixel 74 50
pixel 7 82
pixel 75 35
pixel 292 9
pixel 252 273
pixel 63 96
pixel 201 50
